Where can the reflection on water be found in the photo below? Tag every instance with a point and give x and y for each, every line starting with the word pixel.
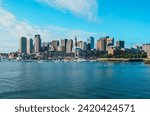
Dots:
pixel 95 80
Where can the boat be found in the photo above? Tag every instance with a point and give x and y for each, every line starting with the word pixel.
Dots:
pixel 93 60
pixel 19 58
pixel 40 61
pixel 81 60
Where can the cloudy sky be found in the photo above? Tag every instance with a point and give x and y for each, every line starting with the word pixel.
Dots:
pixel 127 20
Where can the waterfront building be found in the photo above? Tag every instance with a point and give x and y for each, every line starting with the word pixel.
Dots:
pixel 104 43
pixel 55 44
pixel 69 46
pixel 120 44
pixel 101 44
pixel 75 44
pixel 37 44
pixel 83 45
pixel 64 43
pixel 115 51
pixel 45 46
pixel 110 41
pixel 30 46
pixel 146 48
pixel 79 44
pixel 23 45
pixel 61 48
pixel 90 42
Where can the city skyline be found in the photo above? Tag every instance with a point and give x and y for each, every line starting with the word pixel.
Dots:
pixel 56 20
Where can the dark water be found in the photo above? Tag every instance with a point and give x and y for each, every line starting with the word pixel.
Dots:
pixel 86 80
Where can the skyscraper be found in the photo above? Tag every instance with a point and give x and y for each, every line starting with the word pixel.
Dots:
pixel 90 42
pixel 37 44
pixel 75 44
pixel 55 44
pixel 23 45
pixel 69 46
pixel 101 44
pixel 120 44
pixel 30 46
pixel 110 41
pixel 64 43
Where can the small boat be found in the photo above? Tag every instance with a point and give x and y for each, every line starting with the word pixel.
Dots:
pixel 39 61
pixel 19 58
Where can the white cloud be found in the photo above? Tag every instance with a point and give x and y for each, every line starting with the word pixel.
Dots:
pixel 11 29
pixel 83 8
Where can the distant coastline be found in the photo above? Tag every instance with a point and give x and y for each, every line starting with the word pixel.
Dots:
pixel 146 60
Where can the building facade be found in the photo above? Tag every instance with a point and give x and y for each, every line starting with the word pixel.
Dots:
pixel 55 44
pixel 69 46
pixel 37 44
pixel 146 48
pixel 64 43
pixel 101 44
pixel 30 46
pixel 120 44
pixel 91 42
pixel 23 45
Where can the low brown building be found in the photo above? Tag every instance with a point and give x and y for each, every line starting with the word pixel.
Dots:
pixel 115 51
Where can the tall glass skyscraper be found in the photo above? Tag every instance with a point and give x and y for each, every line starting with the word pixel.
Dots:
pixel 30 46
pixel 23 45
pixel 90 43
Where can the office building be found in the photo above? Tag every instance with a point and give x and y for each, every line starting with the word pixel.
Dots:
pixel 37 44
pixel 110 41
pixel 69 46
pixel 90 42
pixel 101 44
pixel 64 44
pixel 60 48
pixel 30 46
pixel 45 46
pixel 120 44
pixel 55 44
pixel 23 45
pixel 146 48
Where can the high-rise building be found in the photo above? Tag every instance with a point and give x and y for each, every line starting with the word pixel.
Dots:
pixel 90 42
pixel 120 44
pixel 37 44
pixel 146 47
pixel 75 44
pixel 30 46
pixel 23 45
pixel 64 43
pixel 82 45
pixel 55 44
pixel 45 46
pixel 79 44
pixel 69 46
pixel 101 44
pixel 110 41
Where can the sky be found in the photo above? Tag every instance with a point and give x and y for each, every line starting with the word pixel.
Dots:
pixel 127 20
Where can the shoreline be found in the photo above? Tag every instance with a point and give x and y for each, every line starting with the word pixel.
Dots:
pixel 123 59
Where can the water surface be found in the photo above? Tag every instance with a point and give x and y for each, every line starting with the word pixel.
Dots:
pixel 85 80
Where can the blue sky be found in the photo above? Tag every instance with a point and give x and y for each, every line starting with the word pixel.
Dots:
pixel 127 20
